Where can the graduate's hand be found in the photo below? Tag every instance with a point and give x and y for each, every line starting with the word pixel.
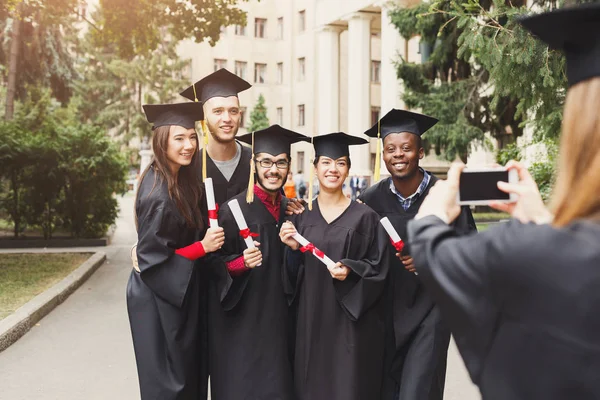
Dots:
pixel 213 240
pixel 252 257
pixel 409 263
pixel 288 230
pixel 294 206
pixel 339 271
pixel 529 207
pixel 442 200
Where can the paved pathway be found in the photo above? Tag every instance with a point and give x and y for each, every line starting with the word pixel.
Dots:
pixel 82 349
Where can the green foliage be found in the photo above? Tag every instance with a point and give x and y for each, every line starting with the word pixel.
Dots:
pixel 113 89
pixel 544 170
pixel 48 31
pixel 509 152
pixel 54 174
pixel 137 27
pixel 258 116
pixel 485 73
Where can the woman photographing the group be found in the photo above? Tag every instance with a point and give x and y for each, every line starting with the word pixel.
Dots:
pixel 523 299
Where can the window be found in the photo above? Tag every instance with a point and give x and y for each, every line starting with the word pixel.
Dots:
pixel 279 73
pixel 280 28
pixel 301 68
pixel 219 63
pixel 301 115
pixel 302 21
pixel 240 30
pixel 375 71
pixel 372 160
pixel 242 117
pixel 375 111
pixel 300 162
pixel 240 69
pixel 260 70
pixel 280 115
pixel 260 26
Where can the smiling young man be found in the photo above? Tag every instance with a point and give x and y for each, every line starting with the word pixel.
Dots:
pixel 248 311
pixel 416 338
pixel 227 162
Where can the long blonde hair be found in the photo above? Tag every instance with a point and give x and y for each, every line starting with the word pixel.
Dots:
pixel 576 194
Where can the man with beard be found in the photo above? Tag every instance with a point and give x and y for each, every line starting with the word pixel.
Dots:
pixel 248 311
pixel 416 338
pixel 227 162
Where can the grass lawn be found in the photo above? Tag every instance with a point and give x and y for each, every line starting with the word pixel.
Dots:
pixel 24 276
pixel 491 216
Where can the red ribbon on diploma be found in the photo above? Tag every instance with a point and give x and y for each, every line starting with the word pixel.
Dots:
pixel 212 214
pixel 245 233
pixel 311 247
pixel 398 245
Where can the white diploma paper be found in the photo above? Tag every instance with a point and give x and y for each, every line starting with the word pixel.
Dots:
pixel 210 201
pixel 303 242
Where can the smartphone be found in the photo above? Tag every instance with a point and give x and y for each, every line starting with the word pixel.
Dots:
pixel 479 186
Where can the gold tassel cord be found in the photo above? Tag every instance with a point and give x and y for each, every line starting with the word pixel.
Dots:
pixel 377 172
pixel 195 95
pixel 204 146
pixel 250 191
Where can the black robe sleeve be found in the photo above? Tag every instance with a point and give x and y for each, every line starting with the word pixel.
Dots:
pixel 166 273
pixel 457 273
pixel 365 284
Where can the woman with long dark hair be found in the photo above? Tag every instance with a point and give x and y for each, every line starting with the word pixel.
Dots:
pixel 523 299
pixel 165 290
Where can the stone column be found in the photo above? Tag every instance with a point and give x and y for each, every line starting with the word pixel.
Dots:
pixel 392 46
pixel 145 158
pixel 359 85
pixel 328 77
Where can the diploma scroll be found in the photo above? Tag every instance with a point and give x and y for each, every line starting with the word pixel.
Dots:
pixel 395 238
pixel 316 252
pixel 210 201
pixel 241 223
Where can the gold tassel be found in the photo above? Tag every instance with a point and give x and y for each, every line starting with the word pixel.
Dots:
pixel 377 172
pixel 204 146
pixel 250 192
pixel 311 176
pixel 195 96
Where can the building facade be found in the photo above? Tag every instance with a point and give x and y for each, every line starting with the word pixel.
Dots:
pixel 322 65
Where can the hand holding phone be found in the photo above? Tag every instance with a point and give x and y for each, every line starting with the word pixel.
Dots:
pixel 480 186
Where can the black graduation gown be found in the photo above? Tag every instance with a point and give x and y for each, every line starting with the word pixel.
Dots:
pixel 164 301
pixel 416 337
pixel 340 328
pixel 248 314
pixel 522 301
pixel 224 189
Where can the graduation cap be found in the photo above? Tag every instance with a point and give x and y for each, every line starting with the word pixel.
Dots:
pixel 397 121
pixel 573 30
pixel 335 145
pixel 181 114
pixel 221 83
pixel 273 140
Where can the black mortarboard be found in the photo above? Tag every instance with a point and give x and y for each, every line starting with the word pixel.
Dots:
pixel 221 83
pixel 273 140
pixel 397 121
pixel 182 114
pixel 575 31
pixel 335 145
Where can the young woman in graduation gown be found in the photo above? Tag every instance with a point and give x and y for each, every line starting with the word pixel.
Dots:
pixel 522 299
pixel 340 328
pixel 165 289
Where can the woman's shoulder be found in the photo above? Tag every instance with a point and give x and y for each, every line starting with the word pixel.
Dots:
pixel 153 194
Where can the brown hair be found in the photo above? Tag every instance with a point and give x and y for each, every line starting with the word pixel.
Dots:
pixel 577 191
pixel 185 188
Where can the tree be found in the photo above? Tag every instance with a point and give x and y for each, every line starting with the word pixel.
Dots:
pixel 113 89
pixel 38 52
pixel 258 116
pixel 134 26
pixel 485 73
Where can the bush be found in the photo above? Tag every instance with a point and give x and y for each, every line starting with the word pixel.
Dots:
pixel 55 172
